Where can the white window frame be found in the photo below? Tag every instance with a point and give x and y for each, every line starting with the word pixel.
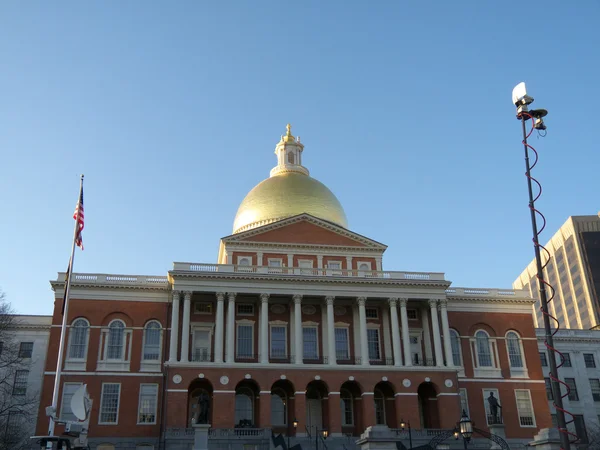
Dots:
pixel 372 308
pixel 77 363
pixel 530 405
pixel 62 400
pixel 272 262
pixel 206 313
pixel 151 365
pixel 315 326
pixel 155 404
pixel 517 372
pixel 244 323
pixel 344 424
pixel 202 327
pixel 245 314
pixel 463 393
pixel 117 365
pixel 334 270
pixel 379 336
pixel 368 263
pixel 461 366
pixel 347 328
pixel 116 422
pixel 492 371
pixel 486 405
pixel 241 265
pixel 278 324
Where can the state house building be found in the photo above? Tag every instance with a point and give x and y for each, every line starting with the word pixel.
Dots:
pixel 297 320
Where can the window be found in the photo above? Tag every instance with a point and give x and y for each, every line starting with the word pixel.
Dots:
pixel 580 430
pixel 455 344
pixel 25 349
pixel 244 410
pixel 549 393
pixel 513 345
pixel 371 313
pixel 484 354
pixel 202 308
pixel 275 262
pixel 573 395
pixel 66 413
pixel 290 157
pixel 334 265
pixel 109 403
pixel 488 412
pixel 379 407
pixel 201 344
pixel 411 314
pixel 245 344
pixel 595 385
pixel 78 338
pixel 588 358
pixel 151 341
pixel 310 343
pixel 245 309
pixel 525 408
pixel 20 385
pixel 347 406
pixel 364 266
pixel 342 350
pixel 147 405
pixel 543 359
pixel 244 261
pixel 373 344
pixel 464 401
pixel 278 407
pixel 278 342
pixel 567 360
pixel 116 340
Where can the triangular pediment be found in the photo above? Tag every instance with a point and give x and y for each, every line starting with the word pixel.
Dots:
pixel 305 229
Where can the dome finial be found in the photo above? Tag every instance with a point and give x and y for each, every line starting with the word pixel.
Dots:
pixel 288 127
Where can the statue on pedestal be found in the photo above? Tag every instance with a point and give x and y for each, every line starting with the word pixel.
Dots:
pixel 494 405
pixel 203 408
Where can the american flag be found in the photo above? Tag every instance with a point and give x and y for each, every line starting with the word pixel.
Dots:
pixel 78 216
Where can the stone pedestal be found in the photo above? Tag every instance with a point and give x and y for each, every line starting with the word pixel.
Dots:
pixel 201 436
pixel 546 439
pixel 377 437
pixel 498 430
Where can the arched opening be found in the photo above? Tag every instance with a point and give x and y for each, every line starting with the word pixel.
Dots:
pixel 246 412
pixel 290 157
pixel 316 393
pixel 350 405
pixel 282 407
pixel 428 408
pixel 200 402
pixel 385 406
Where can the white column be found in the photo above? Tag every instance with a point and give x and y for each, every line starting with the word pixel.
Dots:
pixel 405 333
pixel 230 331
pixel 378 263
pixel 264 329
pixel 185 327
pixel 298 347
pixel 435 326
pixel 229 257
pixel 426 334
pixel 446 331
pixel 319 261
pixel 349 263
pixel 395 332
pixel 290 260
pixel 331 331
pixel 174 327
pixel 259 258
pixel 219 328
pixel 364 344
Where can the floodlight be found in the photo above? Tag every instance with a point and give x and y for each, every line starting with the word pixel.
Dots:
pixel 519 95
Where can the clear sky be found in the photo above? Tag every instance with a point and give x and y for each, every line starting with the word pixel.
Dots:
pixel 172 111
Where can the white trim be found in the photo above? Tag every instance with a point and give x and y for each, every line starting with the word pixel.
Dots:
pixel 494 380
pixel 151 365
pixel 77 363
pixel 104 374
pixel 223 392
pixel 278 324
pixel 314 325
pixel 377 327
pixel 334 393
pixel 367 393
pixel 155 404
pixel 530 405
pixel 177 390
pixel 447 393
pixel 300 393
pixel 244 323
pixel 486 405
pixel 342 327
pixel 116 422
pixel 404 393
pixel 204 327
pixel 264 392
pixel 516 372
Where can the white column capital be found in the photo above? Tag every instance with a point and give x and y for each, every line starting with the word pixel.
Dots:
pixel 393 301
pixel 176 295
pixel 297 299
pixel 231 296
pixel 432 303
pixel 402 302
pixel 264 298
pixel 187 295
pixel 361 301
pixel 220 296
pixel 442 304
pixel 329 300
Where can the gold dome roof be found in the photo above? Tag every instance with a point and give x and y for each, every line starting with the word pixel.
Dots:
pixel 285 195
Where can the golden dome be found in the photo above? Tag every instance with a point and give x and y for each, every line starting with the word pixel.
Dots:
pixel 284 195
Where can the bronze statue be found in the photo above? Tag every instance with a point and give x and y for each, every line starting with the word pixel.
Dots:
pixel 204 408
pixel 494 405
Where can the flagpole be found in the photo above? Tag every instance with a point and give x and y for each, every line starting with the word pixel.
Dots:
pixel 63 329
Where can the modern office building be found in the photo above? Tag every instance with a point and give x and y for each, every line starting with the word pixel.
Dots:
pixel 574 272
pixel 297 327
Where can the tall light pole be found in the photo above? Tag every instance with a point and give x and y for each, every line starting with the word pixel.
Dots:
pixel 522 101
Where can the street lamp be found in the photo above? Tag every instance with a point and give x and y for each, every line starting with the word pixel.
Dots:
pixel 295 424
pixel 403 425
pixel 465 427
pixel 324 434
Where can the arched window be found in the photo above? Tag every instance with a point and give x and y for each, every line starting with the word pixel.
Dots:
pixel 244 262
pixel 513 345
pixel 484 355
pixel 244 407
pixel 291 158
pixel 455 344
pixel 364 266
pixel 152 333
pixel 278 407
pixel 78 339
pixel 347 405
pixel 116 340
pixel 379 407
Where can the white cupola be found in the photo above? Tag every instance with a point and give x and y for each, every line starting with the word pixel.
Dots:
pixel 289 154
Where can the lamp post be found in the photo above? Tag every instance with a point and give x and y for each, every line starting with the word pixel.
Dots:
pixel 402 426
pixel 465 429
pixel 324 433
pixel 295 424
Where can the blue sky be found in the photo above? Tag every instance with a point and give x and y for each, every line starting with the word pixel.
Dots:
pixel 172 111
